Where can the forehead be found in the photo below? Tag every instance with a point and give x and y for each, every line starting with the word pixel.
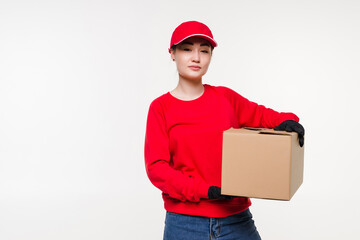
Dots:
pixel 195 40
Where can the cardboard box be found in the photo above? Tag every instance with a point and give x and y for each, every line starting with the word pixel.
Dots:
pixel 261 163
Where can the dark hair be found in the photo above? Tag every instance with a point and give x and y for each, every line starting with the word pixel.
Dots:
pixel 173 47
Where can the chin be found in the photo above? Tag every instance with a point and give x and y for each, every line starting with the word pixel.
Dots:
pixel 196 77
pixel 192 78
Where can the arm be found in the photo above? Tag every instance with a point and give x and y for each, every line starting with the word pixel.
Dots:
pixel 251 114
pixel 157 158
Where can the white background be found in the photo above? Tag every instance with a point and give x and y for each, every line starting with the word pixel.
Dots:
pixel 76 81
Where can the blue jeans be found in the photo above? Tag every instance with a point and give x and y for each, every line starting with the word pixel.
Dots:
pixel 186 227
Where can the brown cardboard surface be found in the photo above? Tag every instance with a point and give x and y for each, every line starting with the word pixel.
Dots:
pixel 261 163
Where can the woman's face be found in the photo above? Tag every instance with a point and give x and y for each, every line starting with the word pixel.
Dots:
pixel 192 58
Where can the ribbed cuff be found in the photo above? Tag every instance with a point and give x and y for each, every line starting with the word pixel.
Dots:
pixel 288 116
pixel 203 191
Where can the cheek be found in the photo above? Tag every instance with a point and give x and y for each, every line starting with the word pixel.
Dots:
pixel 207 63
pixel 181 62
pixel 180 67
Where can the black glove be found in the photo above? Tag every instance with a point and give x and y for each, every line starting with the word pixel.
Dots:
pixel 215 193
pixel 292 126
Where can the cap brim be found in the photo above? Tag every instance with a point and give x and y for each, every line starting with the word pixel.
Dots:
pixel 212 41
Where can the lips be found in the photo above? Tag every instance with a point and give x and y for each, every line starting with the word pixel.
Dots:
pixel 194 67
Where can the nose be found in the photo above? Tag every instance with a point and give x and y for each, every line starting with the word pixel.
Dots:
pixel 196 56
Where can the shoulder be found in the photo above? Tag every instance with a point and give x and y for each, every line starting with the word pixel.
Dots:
pixel 226 91
pixel 159 102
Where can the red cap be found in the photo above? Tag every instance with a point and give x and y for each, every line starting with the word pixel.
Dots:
pixel 191 29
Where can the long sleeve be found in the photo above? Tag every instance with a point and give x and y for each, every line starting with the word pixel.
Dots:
pixel 251 114
pixel 173 182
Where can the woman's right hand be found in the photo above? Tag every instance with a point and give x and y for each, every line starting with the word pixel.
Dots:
pixel 215 193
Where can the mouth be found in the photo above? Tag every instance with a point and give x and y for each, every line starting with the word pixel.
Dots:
pixel 195 68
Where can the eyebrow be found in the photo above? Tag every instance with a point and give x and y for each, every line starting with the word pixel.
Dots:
pixel 203 44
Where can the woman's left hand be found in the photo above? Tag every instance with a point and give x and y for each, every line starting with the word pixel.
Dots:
pixel 292 126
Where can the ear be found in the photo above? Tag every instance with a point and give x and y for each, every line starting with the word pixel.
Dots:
pixel 172 54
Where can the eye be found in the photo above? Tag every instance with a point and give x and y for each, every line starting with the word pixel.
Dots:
pixel 205 51
pixel 186 49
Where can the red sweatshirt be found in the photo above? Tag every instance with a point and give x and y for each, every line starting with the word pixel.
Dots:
pixel 183 146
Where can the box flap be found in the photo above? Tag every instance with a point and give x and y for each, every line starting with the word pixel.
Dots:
pixel 253 130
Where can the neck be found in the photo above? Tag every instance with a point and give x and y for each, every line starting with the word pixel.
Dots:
pixel 189 87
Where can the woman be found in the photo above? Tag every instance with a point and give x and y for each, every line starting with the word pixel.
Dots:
pixel 183 144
